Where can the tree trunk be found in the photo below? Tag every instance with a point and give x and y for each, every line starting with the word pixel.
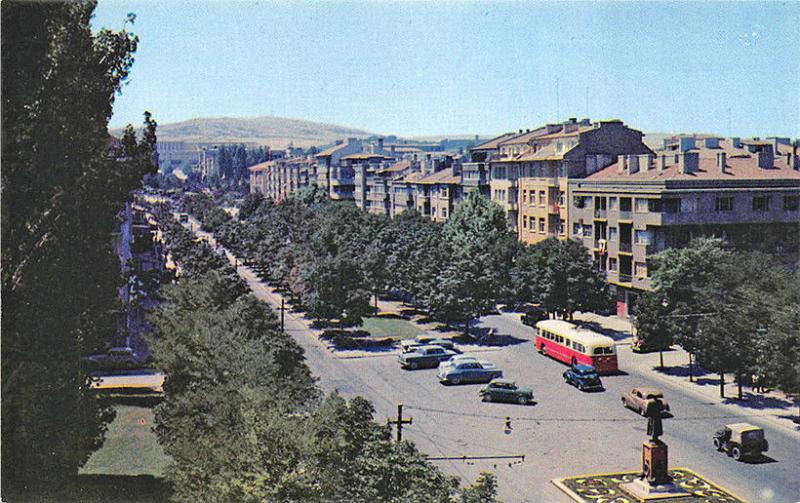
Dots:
pixel 376 302
pixel 691 369
pixel 466 328
pixel 661 360
pixel 739 383
pixel 721 384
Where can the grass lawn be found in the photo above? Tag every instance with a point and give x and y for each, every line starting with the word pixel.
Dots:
pixel 131 446
pixel 390 327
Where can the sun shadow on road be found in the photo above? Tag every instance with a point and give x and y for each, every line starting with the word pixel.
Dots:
pixel 683 371
pixel 97 489
pixel 756 401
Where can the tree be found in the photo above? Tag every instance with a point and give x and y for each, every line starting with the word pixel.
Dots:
pixel 561 276
pixel 63 182
pixel 653 325
pixel 335 289
pixel 484 490
pixel 250 204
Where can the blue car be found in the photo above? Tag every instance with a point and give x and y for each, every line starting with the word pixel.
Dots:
pixel 583 377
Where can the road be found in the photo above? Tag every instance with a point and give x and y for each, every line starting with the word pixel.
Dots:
pixel 565 433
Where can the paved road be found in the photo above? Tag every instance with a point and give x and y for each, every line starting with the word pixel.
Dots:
pixel 566 432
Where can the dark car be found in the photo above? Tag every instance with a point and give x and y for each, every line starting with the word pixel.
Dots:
pixel 119 358
pixel 741 440
pixel 503 390
pixel 583 377
pixel 533 315
pixel 425 357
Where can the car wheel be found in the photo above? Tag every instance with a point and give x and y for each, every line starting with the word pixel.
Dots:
pixel 580 387
pixel 543 351
pixel 413 365
pixel 624 403
pixel 487 397
pixel 641 411
pixel 522 400
pixel 737 453
pixel 455 380
pixel 717 444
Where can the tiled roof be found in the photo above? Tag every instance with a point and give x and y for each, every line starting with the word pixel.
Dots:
pixel 562 134
pixel 546 153
pixel 364 156
pixel 396 167
pixel 261 167
pixel 493 143
pixel 524 137
pixel 740 165
pixel 444 176
pixel 332 150
pixel 412 177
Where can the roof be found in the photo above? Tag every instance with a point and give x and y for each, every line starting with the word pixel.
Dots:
pixel 584 369
pixel 561 134
pixel 742 427
pixel 524 137
pixel 365 156
pixel 395 168
pixel 546 153
pixel 261 167
pixel 500 380
pixel 332 150
pixel 494 142
pixel 740 165
pixel 581 335
pixel 443 176
pixel 648 390
pixel 412 177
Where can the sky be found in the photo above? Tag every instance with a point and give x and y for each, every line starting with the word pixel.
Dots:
pixel 467 67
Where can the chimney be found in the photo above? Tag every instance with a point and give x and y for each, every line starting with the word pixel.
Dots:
pixel 622 164
pixel 645 162
pixel 686 143
pixel 689 162
pixel 736 142
pixel 520 131
pixel 666 142
pixel 633 164
pixel 662 162
pixel 765 157
pixel 339 142
pixel 586 122
pixel 722 160
pixel 712 142
pixel 380 143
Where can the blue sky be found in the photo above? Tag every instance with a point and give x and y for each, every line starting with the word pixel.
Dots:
pixel 418 68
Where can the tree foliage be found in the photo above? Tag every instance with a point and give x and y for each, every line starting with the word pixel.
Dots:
pixel 63 181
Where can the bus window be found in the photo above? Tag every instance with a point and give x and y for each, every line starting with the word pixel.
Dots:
pixel 567 343
pixel 600 350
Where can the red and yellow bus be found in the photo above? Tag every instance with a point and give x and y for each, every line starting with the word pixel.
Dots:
pixel 567 343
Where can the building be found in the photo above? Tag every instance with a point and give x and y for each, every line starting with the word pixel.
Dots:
pixel 440 192
pixel 279 178
pixel 338 182
pixel 370 176
pixel 175 154
pixel 746 192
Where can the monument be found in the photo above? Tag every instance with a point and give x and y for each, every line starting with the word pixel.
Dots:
pixel 654 482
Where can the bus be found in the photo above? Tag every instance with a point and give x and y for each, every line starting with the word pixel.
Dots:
pixel 572 345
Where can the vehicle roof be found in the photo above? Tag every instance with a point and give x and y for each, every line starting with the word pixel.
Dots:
pixel 581 335
pixel 431 346
pixel 647 390
pixel 584 369
pixel 742 427
pixel 502 381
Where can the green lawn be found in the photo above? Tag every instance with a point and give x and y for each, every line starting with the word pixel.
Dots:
pixel 395 328
pixel 131 446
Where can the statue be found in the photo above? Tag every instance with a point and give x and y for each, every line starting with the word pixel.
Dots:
pixel 653 411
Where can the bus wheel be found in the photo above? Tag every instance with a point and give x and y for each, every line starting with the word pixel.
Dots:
pixel 542 350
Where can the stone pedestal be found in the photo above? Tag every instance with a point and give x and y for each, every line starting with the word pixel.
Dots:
pixel 644 491
pixel 655 481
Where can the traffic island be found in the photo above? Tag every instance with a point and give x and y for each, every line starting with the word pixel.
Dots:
pixel 690 487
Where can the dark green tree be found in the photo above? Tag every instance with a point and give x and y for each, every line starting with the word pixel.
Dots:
pixel 654 328
pixel 64 179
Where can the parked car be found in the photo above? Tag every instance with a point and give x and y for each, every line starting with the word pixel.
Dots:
pixel 117 358
pixel 533 315
pixel 468 372
pixel 741 440
pixel 638 396
pixel 425 356
pixel 583 377
pixel 407 345
pixel 503 390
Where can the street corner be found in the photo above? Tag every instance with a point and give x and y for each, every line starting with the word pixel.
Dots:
pixel 690 486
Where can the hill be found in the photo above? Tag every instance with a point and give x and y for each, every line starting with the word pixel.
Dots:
pixel 277 132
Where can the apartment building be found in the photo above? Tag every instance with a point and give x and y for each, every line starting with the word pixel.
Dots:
pixel 441 192
pixel 746 192
pixel 371 175
pixel 277 179
pixel 339 183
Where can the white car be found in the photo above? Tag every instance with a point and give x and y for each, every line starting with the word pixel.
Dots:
pixel 455 360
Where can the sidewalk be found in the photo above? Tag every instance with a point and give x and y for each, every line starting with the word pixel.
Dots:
pixel 774 407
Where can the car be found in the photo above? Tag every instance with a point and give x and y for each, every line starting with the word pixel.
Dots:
pixel 115 358
pixel 741 440
pixel 183 218
pixel 533 315
pixel 503 390
pixel 583 377
pixel 469 371
pixel 465 358
pixel 636 399
pixel 425 357
pixel 407 345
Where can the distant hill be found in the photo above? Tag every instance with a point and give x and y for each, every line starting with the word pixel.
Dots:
pixel 277 132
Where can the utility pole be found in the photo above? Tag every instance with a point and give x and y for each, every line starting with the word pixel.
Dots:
pixel 399 422
pixel 282 311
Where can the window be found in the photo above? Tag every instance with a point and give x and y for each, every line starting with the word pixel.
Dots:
pixel 689 205
pixel 761 203
pixel 560 198
pixel 579 201
pixel 541 225
pixel 654 205
pixel 612 233
pixel 562 226
pixel 791 203
pixel 444 212
pixel 642 237
pixel 723 204
pixel 542 198
pixel 640 269
pixel 576 229
pixel 524 197
pixel 600 203
pixel 587 231
pixel 625 204
pixel 642 205
pixel 672 205
pixel 524 221
pixel 612 264
pixel 612 203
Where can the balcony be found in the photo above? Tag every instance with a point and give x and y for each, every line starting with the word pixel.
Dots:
pixel 625 278
pixel 625 215
pixel 342 181
pixel 600 214
pixel 554 209
pixel 625 247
